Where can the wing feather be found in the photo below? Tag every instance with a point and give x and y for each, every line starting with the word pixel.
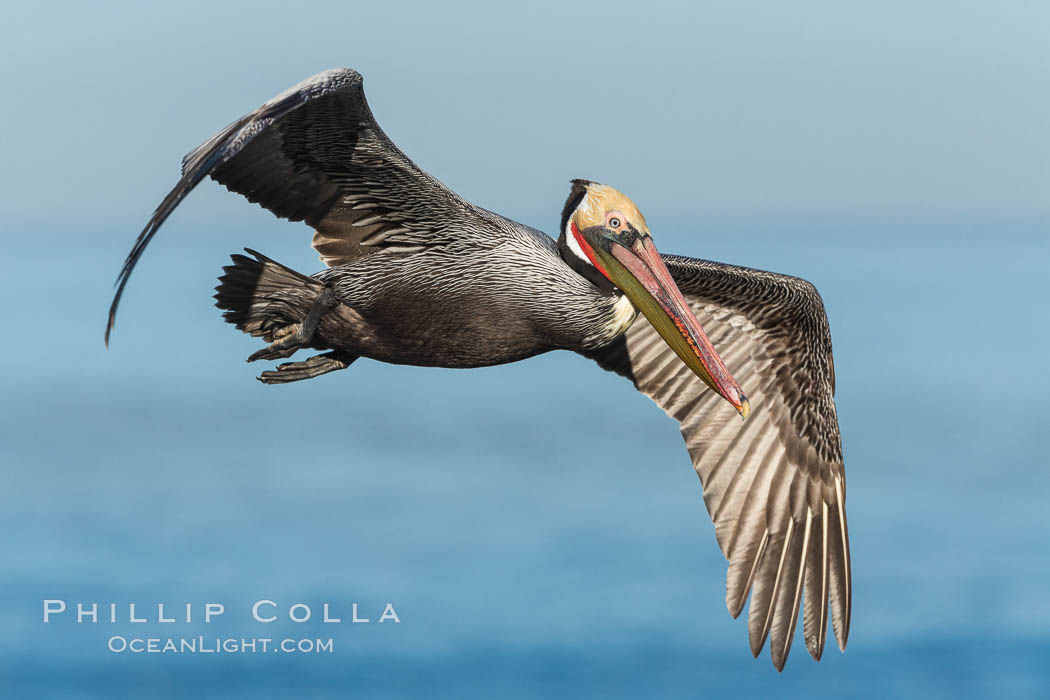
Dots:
pixel 815 616
pixel 315 153
pixel 785 614
pixel 774 485
pixel 841 589
pixel 764 593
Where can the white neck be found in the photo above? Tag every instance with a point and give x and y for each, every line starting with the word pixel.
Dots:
pixel 574 245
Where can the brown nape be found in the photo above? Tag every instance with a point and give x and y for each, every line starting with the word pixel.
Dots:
pixel 576 195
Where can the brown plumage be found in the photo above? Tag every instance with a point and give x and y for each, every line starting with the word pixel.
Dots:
pixel 417 275
pixel 774 486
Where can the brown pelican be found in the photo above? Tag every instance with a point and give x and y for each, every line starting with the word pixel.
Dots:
pixel 416 275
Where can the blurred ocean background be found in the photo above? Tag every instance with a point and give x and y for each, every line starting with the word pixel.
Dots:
pixel 537 527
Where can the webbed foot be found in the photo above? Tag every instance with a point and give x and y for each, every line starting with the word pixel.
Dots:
pixel 307 369
pixel 290 338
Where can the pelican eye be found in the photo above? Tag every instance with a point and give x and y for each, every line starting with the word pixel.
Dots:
pixel 614 223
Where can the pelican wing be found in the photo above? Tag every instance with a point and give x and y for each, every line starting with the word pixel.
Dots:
pixel 315 153
pixel 773 484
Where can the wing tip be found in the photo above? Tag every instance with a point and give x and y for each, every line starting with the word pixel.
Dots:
pixel 843 638
pixel 111 319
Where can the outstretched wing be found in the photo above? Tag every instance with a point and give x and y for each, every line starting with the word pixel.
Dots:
pixel 773 484
pixel 315 153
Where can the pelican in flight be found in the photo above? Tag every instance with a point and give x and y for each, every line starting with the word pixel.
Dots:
pixel 417 275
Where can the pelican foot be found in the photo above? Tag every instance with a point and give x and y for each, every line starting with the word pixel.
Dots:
pixel 290 338
pixel 307 369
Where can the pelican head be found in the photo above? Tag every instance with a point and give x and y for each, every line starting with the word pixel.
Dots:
pixel 605 238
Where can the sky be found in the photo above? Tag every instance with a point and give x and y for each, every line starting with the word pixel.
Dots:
pixel 693 109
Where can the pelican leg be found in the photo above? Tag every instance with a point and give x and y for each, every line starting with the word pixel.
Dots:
pixel 307 369
pixel 297 335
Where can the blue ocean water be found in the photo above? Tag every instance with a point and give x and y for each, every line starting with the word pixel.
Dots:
pixel 537 527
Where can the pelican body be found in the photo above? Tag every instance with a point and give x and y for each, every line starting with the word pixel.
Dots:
pixel 416 275
pixel 482 309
